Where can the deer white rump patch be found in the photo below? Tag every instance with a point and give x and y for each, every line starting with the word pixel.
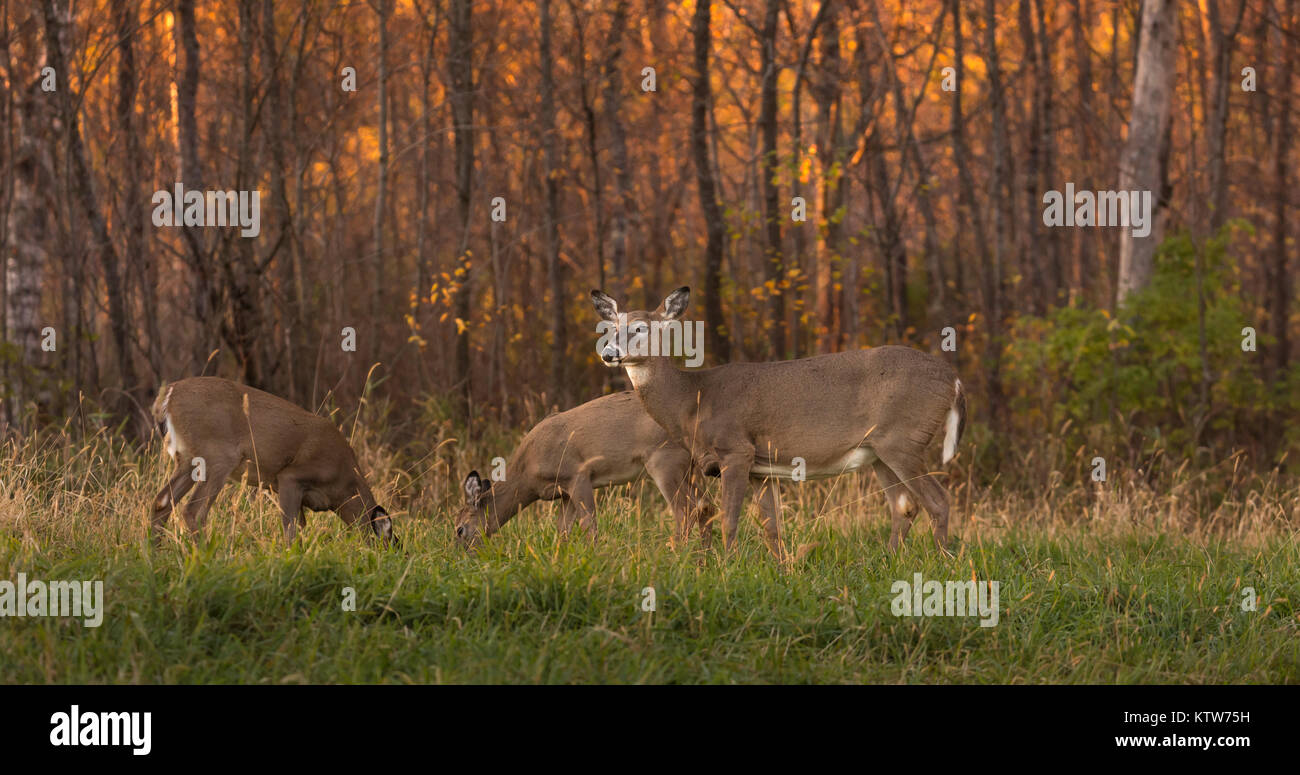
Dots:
pixel 951 426
pixel 174 443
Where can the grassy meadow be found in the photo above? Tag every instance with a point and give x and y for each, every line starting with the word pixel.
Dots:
pixel 1118 584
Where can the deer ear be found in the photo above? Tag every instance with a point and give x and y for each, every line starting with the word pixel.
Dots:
pixel 675 304
pixel 474 487
pixel 606 307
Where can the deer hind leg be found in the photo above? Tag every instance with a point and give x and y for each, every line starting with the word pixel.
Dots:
pixel 200 501
pixel 902 506
pixel 175 490
pixel 928 492
pixel 934 498
pixel 769 509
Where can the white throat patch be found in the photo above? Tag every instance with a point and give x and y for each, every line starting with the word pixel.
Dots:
pixel 639 373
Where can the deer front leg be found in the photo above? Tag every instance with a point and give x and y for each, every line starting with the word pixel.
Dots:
pixel 567 516
pixel 584 499
pixel 735 481
pixel 769 511
pixel 290 492
pixel 671 472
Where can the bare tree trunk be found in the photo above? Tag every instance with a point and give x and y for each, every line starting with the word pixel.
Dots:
pixel 31 181
pixel 206 302
pixel 1056 279
pixel 799 259
pixel 622 203
pixel 1149 124
pixel 1085 120
pixel 554 269
pixel 717 338
pixel 6 204
pixel 84 182
pixel 774 262
pixel 460 63
pixel 827 91
pixel 1223 42
pixel 1000 192
pixel 657 243
pixel 1039 248
pixel 1280 279
pixel 593 157
pixel 890 238
pixel 906 118
pixel 140 262
pixel 280 228
pixel 425 266
pixel 381 186
pixel 242 324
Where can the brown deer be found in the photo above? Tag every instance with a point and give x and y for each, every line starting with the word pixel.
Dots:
pixel 218 430
pixel 569 455
pixel 820 416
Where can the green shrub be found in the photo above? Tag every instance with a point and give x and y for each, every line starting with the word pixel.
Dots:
pixel 1139 374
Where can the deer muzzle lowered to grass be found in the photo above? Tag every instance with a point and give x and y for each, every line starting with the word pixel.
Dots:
pixel 218 431
pixel 569 455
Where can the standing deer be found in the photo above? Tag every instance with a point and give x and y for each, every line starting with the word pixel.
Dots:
pixel 880 407
pixel 569 455
pixel 218 430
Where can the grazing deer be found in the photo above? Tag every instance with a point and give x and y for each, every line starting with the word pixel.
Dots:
pixel 841 412
pixel 218 430
pixel 569 455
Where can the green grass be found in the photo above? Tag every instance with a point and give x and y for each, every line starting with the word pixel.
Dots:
pixel 1088 593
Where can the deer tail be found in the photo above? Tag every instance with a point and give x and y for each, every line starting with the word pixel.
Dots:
pixel 956 422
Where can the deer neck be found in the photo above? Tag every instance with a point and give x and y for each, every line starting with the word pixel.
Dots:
pixel 663 388
pixel 368 501
pixel 356 494
pixel 507 498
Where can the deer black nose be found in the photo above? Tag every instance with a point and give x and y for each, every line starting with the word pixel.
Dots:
pixel 460 532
